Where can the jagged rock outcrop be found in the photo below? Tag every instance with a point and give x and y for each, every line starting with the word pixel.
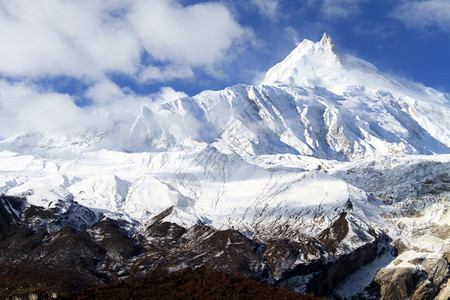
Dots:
pixel 437 269
pixel 398 283
pixel 427 280
pixel 427 290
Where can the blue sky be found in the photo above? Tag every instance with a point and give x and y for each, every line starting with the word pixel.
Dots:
pixel 91 53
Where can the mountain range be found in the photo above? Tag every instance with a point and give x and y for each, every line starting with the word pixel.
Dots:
pixel 330 177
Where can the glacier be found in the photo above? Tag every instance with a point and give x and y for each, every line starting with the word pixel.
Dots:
pixel 325 138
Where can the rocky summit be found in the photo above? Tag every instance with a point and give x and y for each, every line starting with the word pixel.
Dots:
pixel 330 178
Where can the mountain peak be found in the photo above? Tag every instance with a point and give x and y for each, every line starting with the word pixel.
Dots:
pixel 309 64
pixel 322 64
pixel 326 39
pixel 327 43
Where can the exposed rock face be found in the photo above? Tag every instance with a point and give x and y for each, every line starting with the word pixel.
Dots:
pixel 425 276
pixel 444 294
pixel 282 256
pixel 437 269
pixel 428 279
pixel 333 236
pixel 426 291
pixel 398 283
pixel 41 251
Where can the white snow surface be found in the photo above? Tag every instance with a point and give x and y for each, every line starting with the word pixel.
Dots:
pixel 278 159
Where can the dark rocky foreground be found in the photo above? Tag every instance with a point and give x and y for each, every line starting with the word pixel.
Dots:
pixel 66 252
pixel 201 283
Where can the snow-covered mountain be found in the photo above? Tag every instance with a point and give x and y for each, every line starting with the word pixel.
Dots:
pixel 327 158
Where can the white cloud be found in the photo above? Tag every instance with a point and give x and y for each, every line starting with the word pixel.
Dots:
pixel 25 108
pixel 338 9
pixel 74 38
pixel 268 8
pixel 424 13
pixel 165 73
pixel 292 34
pixel 105 92
pixel 196 35
pixel 258 77
pixel 28 108
pixel 92 38
pixel 167 94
